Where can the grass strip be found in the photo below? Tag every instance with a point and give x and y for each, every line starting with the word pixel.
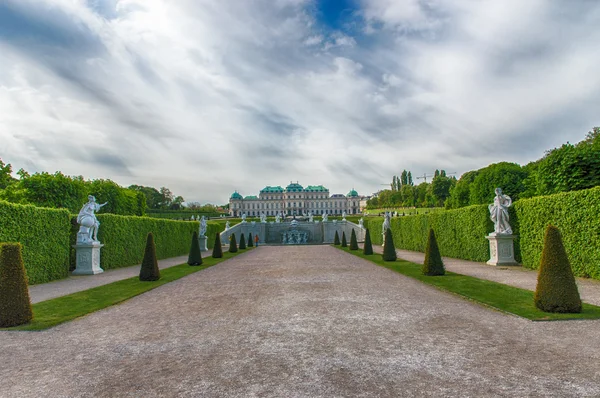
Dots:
pixel 493 294
pixel 49 313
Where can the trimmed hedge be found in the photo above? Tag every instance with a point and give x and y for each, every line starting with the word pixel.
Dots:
pixel 44 235
pixel 576 214
pixel 15 306
pixel 149 270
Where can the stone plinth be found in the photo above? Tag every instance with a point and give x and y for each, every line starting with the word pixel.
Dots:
pixel 87 258
pixel 502 250
pixel 202 241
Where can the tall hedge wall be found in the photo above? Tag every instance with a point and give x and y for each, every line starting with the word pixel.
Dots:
pixel 576 214
pixel 44 234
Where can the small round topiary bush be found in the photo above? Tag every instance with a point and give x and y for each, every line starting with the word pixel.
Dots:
pixel 389 250
pixel 15 306
pixel 336 239
pixel 353 241
pixel 433 264
pixel 149 271
pixel 232 244
pixel 242 242
pixel 195 257
pixel 556 289
pixel 250 240
pixel 217 249
pixel 368 246
pixel 344 242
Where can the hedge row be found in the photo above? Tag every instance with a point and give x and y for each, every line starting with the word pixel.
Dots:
pixel 44 234
pixel 576 214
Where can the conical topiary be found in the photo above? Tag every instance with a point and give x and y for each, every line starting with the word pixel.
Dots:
pixel 556 290
pixel 149 271
pixel 15 307
pixel 336 239
pixel 195 257
pixel 344 242
pixel 389 250
pixel 368 246
pixel 353 242
pixel 250 241
pixel 242 242
pixel 232 244
pixel 217 249
pixel 433 264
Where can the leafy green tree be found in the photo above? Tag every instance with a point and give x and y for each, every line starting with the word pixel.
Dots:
pixel 460 192
pixel 389 250
pixel 433 264
pixel 153 197
pixel 217 249
pixel 149 271
pixel 55 190
pixel 166 198
pixel 5 174
pixel 440 187
pixel 368 246
pixel 404 178
pixel 508 176
pixel 15 306
pixel 409 179
pixel 195 256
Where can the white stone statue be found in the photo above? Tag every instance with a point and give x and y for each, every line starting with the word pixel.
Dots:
pixel 227 226
pixel 360 223
pixel 277 218
pixel 192 217
pixel 499 213
pixel 263 218
pixel 88 223
pixel 344 215
pixel 324 217
pixel 386 225
pixel 203 226
pixel 244 217
pixel 310 217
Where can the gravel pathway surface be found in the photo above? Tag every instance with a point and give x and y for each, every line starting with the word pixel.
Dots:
pixel 301 322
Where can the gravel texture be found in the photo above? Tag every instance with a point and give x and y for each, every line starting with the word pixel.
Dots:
pixel 301 322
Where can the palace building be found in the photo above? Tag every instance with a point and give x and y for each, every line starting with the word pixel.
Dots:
pixel 294 200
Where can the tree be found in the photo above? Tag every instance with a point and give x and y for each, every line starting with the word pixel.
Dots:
pixel 440 187
pixel 153 197
pixel 508 176
pixel 166 198
pixel 556 290
pixel 436 173
pixel 404 178
pixel 409 179
pixel 217 249
pixel 367 247
pixel 344 242
pixel 250 240
pixel 353 241
pixel 195 257
pixel 149 270
pixel 15 306
pixel 177 203
pixel 460 192
pixel 232 244
pixel 389 250
pixel 336 239
pixel 433 264
pixel 242 242
pixel 5 175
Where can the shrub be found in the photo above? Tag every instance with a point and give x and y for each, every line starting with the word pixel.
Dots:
pixel 367 247
pixel 242 242
pixel 556 290
pixel 149 270
pixel 353 242
pixel 195 257
pixel 15 307
pixel 344 242
pixel 336 240
pixel 389 250
pixel 433 264
pixel 232 244
pixel 217 249
pixel 250 240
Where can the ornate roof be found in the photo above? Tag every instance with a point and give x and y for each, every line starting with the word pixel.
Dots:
pixel 294 187
pixel 316 188
pixel 250 197
pixel 352 193
pixel 270 189
pixel 236 195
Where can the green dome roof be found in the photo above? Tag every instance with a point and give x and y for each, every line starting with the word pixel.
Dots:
pixel 294 187
pixel 352 193
pixel 316 188
pixel 252 197
pixel 236 195
pixel 270 189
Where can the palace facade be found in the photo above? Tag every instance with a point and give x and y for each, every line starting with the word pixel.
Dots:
pixel 294 200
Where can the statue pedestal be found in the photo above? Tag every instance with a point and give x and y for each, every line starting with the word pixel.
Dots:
pixel 88 258
pixel 202 241
pixel 501 249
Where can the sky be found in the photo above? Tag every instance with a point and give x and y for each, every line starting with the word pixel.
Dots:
pixel 206 97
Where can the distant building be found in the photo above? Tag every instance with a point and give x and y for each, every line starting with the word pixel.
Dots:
pixel 294 200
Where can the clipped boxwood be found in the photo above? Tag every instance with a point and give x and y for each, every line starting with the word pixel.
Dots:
pixel 44 235
pixel 15 306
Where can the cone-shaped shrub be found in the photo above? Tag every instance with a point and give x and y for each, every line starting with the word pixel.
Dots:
pixel 232 244
pixel 195 258
pixel 433 264
pixel 250 241
pixel 556 290
pixel 389 250
pixel 368 246
pixel 149 270
pixel 217 249
pixel 242 242
pixel 344 242
pixel 353 242
pixel 336 240
pixel 15 307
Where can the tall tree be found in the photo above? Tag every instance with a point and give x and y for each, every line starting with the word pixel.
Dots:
pixel 409 179
pixel 404 178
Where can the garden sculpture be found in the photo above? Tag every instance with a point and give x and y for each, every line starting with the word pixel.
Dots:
pixel 499 213
pixel 88 223
pixel 203 226
pixel 386 225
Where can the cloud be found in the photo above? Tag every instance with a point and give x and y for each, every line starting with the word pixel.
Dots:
pixel 206 97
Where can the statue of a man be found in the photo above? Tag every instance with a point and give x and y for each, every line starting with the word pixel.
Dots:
pixel 344 215
pixel 324 217
pixel 88 223
pixel 203 226
pixel 263 218
pixel 386 225
pixel 244 217
pixel 277 218
pixel 227 226
pixel 499 213
pixel 361 223
pixel 310 216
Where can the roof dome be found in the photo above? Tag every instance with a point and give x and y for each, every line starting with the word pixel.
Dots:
pixel 352 194
pixel 294 187
pixel 236 195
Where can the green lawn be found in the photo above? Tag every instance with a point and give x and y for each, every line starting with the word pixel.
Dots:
pixel 502 297
pixel 47 314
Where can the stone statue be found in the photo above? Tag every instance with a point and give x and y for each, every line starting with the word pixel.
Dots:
pixel 203 226
pixel 344 215
pixel 244 217
pixel 263 218
pixel 88 223
pixel 310 217
pixel 324 217
pixel 277 218
pixel 499 213
pixel 360 223
pixel 386 225
pixel 227 226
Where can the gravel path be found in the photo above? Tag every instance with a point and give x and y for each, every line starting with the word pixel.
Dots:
pixel 301 322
